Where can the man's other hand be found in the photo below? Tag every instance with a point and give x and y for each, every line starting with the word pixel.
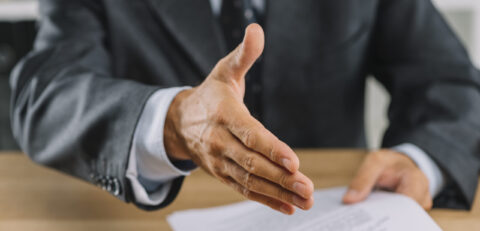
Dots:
pixel 393 171
pixel 211 125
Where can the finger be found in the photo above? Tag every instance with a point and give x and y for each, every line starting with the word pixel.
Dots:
pixel 268 201
pixel 236 64
pixel 389 179
pixel 415 186
pixel 427 202
pixel 365 179
pixel 258 165
pixel 257 138
pixel 264 187
pixel 245 55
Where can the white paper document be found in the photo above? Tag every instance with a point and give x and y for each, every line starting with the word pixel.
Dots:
pixel 382 211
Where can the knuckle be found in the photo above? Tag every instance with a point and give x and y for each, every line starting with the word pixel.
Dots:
pixel 283 195
pixel 218 167
pixel 249 163
pixel 214 143
pixel 246 193
pixel 216 146
pixel 283 180
pixel 250 137
pixel 237 188
pixel 272 153
pixel 248 181
pixel 231 182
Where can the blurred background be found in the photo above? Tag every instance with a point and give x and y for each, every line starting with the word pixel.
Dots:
pixel 17 31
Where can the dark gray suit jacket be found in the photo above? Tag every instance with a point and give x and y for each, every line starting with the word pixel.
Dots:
pixel 78 95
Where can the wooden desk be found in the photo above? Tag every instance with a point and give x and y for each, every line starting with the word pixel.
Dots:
pixel 36 198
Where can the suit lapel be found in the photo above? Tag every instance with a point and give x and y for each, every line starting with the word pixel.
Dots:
pixel 193 25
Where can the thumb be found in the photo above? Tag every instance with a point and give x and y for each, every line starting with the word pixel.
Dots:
pixel 364 181
pixel 240 60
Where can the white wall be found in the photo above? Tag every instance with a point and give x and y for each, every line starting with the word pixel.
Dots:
pixel 15 10
pixel 464 17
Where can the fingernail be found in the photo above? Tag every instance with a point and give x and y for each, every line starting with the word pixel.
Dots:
pixel 285 209
pixel 300 188
pixel 298 201
pixel 286 163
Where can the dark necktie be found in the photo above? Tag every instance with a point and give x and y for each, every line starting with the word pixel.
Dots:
pixel 235 16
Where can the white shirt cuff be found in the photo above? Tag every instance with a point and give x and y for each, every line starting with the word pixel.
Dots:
pixel 148 158
pixel 426 164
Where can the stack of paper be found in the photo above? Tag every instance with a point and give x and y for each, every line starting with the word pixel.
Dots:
pixel 382 211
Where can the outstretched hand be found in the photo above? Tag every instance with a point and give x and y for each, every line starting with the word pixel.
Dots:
pixel 211 125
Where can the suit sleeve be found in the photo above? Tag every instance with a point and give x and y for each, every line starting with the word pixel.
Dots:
pixel 435 91
pixel 69 111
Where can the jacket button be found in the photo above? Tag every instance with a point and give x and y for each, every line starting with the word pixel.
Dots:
pixel 116 189
pixel 109 184
pixel 104 184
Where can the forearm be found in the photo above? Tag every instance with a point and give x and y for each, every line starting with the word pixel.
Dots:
pixel 151 169
pixel 69 111
pixel 434 89
pixel 76 121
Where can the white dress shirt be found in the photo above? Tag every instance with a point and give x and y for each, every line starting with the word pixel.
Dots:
pixel 151 172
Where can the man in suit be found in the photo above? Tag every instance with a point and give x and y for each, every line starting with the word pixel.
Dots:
pixel 132 95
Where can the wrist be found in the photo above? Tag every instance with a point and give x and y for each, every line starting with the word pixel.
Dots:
pixel 174 142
